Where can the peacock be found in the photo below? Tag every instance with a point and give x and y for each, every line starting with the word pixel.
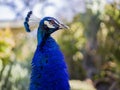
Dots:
pixel 49 70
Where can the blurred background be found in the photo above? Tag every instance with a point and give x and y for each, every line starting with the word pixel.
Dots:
pixel 91 46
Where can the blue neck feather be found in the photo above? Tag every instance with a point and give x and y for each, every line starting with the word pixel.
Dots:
pixel 40 35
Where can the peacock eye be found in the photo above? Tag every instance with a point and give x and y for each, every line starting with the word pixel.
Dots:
pixel 52 22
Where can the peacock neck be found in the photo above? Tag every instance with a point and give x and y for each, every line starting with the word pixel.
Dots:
pixel 42 37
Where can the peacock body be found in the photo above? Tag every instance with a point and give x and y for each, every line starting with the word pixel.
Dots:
pixel 49 70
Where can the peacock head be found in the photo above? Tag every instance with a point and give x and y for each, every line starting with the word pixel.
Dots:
pixel 47 25
pixel 50 25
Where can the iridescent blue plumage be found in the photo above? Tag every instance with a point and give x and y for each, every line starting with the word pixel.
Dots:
pixel 49 70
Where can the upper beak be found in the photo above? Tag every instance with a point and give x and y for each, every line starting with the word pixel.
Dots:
pixel 62 26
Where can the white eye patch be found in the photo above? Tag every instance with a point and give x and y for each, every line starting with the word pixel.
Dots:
pixel 48 24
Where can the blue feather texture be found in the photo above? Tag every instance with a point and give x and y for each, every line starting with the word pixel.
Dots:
pixel 49 71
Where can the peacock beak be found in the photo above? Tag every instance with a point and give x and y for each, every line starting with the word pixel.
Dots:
pixel 62 26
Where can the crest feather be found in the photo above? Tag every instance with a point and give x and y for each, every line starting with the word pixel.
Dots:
pixel 31 21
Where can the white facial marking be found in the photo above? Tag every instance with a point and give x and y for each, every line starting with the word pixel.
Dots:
pixel 48 24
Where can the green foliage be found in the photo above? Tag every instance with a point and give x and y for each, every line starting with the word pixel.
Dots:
pixel 109 43
pixel 6 45
pixel 113 30
pixel 72 43
pixel 6 56
pixel 16 51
